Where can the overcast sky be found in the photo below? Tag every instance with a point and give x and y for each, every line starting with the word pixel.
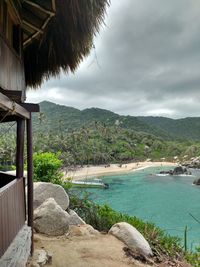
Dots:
pixel 146 62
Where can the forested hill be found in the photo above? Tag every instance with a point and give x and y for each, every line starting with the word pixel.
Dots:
pixel 55 118
pixel 60 118
pixel 187 128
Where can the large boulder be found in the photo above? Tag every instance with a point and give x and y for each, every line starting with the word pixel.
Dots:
pixel 131 237
pixel 43 191
pixel 197 182
pixel 51 219
pixel 74 219
pixel 179 170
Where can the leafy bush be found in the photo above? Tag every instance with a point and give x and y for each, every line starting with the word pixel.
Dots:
pixel 5 168
pixel 194 258
pixel 47 167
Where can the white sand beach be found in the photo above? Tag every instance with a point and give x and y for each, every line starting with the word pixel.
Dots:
pixel 103 170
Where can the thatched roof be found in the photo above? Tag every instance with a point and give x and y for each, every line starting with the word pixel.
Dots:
pixel 58 34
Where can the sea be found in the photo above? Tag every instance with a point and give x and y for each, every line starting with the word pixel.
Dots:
pixel 170 202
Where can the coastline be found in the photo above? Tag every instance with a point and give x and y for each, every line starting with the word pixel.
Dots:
pixel 112 169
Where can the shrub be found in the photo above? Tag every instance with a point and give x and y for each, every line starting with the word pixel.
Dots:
pixel 6 168
pixel 47 167
pixel 194 258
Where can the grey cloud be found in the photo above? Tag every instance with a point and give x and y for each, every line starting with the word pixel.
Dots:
pixel 146 62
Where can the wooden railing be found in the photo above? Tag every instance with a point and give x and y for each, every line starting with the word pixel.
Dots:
pixel 12 212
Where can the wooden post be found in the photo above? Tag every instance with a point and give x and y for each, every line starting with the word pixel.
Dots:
pixel 20 148
pixel 30 176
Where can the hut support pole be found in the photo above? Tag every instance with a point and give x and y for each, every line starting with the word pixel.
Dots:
pixel 30 176
pixel 20 148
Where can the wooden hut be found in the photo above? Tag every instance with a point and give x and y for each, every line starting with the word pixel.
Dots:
pixel 38 38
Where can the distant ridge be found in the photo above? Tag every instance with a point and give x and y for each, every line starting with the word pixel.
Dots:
pixel 186 128
pixel 54 117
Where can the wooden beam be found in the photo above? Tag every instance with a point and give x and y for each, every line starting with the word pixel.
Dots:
pixel 54 5
pixel 29 15
pixel 31 107
pixel 33 26
pixel 35 35
pixel 16 5
pixel 9 118
pixel 5 14
pixel 31 3
pixel 30 176
pixel 9 105
pixel 39 30
pixel 13 95
pixel 20 149
pixel 5 117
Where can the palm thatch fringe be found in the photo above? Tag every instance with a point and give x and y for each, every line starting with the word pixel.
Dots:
pixel 67 40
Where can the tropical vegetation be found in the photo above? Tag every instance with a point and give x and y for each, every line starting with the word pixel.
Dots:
pixel 95 136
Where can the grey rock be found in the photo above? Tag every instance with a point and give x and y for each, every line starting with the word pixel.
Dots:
pixel 40 258
pixel 51 219
pixel 177 171
pixel 197 182
pixel 74 219
pixel 43 191
pixel 131 237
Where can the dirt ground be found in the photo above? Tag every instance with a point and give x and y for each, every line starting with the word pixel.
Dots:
pixel 85 251
pixel 83 246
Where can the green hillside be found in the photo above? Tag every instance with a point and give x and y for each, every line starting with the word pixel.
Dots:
pixel 97 136
pixel 56 118
pixel 187 128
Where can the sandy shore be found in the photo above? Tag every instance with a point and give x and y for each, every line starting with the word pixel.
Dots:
pixel 98 171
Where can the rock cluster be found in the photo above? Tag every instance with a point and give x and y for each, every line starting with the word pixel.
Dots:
pixel 177 171
pixel 192 163
pixel 50 215
pixel 51 218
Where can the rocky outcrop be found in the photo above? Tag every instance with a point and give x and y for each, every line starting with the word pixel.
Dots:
pixel 131 237
pixel 51 219
pixel 193 163
pixel 177 171
pixel 197 181
pixel 74 219
pixel 181 170
pixel 43 191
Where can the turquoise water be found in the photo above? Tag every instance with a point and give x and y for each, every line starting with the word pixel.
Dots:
pixel 166 201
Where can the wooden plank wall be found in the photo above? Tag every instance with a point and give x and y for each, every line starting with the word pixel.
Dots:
pixel 12 212
pixel 11 68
